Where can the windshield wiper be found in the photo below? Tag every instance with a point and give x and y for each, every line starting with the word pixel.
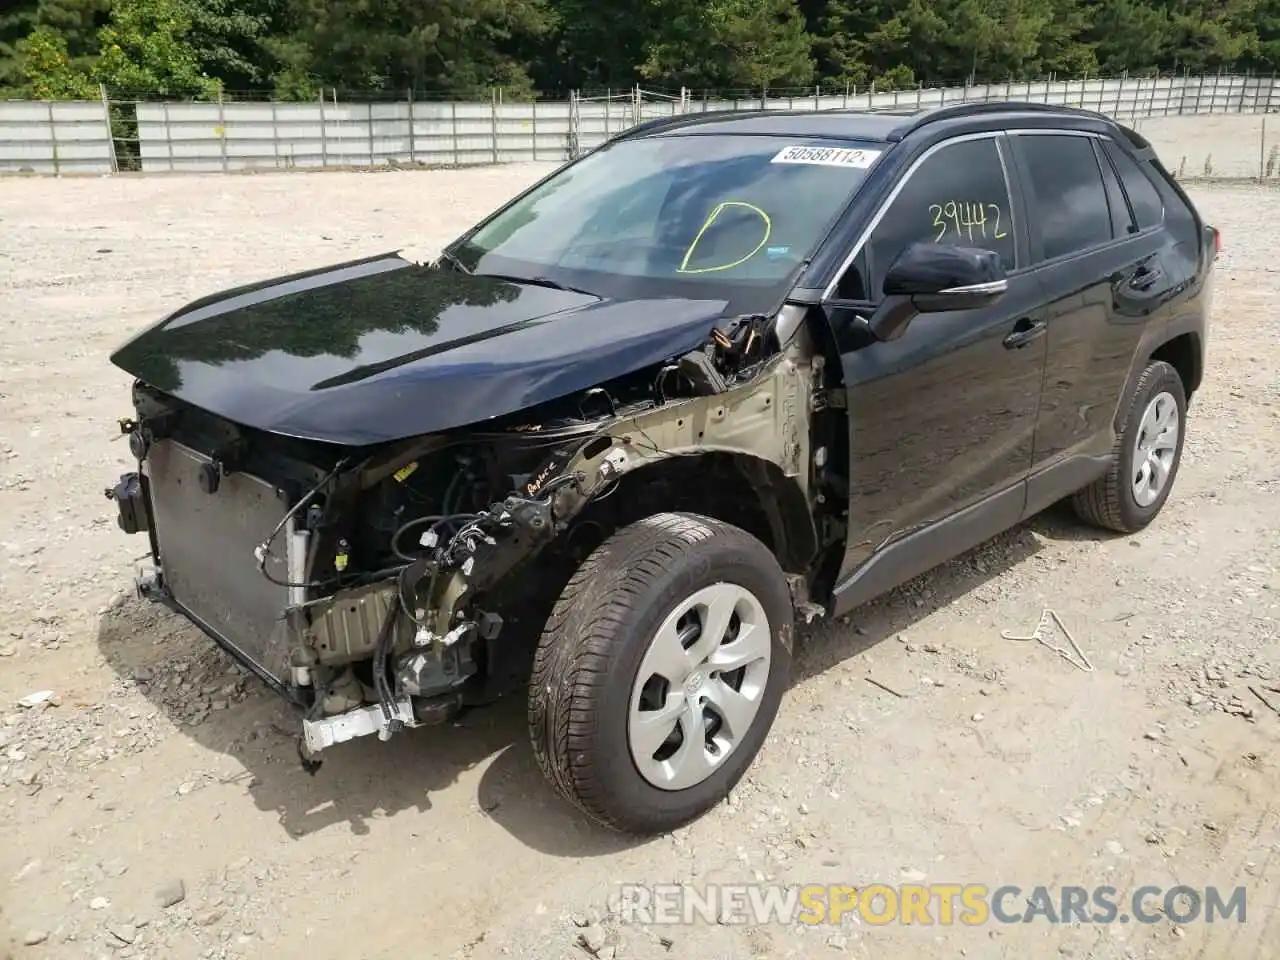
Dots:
pixel 538 282
pixel 453 261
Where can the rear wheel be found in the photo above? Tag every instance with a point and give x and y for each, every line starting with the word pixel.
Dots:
pixel 1146 458
pixel 660 671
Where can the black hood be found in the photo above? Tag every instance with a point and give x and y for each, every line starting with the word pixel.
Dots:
pixel 381 349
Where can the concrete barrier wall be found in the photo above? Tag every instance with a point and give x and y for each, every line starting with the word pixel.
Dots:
pixel 1203 126
pixel 60 137
pixel 1216 147
pixel 198 137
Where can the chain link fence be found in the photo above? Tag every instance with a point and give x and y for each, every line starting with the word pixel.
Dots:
pixel 1189 118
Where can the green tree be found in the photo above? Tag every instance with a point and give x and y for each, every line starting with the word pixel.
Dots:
pixel 741 44
pixel 1209 34
pixel 230 40
pixel 78 22
pixel 146 51
pixel 597 44
pixel 455 46
pixel 16 21
pixel 56 35
pixel 1267 19
pixel 1129 35
pixel 47 70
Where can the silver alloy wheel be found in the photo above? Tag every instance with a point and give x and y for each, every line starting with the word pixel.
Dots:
pixel 1154 448
pixel 699 686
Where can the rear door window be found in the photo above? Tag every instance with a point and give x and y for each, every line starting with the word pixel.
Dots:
pixel 1068 201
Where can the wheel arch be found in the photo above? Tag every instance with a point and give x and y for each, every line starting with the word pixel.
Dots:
pixel 732 486
pixel 1183 352
pixel 1181 345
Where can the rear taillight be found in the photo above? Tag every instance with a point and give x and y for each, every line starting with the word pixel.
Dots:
pixel 1217 241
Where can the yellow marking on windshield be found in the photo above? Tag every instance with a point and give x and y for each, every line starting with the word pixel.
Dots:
pixel 706 225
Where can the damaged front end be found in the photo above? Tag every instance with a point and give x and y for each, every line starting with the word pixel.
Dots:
pixel 391 586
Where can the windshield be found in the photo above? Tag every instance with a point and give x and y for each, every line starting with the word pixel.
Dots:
pixel 704 216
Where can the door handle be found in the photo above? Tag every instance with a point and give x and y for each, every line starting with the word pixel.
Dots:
pixel 1144 278
pixel 1024 331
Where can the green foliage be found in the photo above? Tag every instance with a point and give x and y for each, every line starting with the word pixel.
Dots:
pixel 146 51
pixel 735 44
pixel 47 70
pixel 465 46
pixel 295 49
pixel 229 39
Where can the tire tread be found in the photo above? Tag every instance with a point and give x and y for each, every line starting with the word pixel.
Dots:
pixel 573 654
pixel 1100 502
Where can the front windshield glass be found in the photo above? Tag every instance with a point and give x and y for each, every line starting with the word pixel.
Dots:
pixel 704 216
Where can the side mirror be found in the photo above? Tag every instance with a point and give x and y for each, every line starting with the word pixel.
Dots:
pixel 935 278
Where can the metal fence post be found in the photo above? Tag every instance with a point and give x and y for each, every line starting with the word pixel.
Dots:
pixel 222 132
pixel 324 139
pixel 106 119
pixel 453 111
pixel 168 135
pixel 1262 151
pixel 342 138
pixel 275 132
pixel 369 114
pixel 53 136
pixel 412 134
pixel 493 123
pixel 535 129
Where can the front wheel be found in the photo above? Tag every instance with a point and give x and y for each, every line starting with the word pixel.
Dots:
pixel 660 671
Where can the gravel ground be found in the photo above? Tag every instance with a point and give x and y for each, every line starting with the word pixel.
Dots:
pixel 153 807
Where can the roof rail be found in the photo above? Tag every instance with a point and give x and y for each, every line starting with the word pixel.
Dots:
pixel 969 109
pixel 673 120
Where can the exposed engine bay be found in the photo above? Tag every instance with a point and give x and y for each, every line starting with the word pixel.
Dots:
pixel 387 587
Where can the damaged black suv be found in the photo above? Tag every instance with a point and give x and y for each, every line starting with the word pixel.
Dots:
pixel 725 370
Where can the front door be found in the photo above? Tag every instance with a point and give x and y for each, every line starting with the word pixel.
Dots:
pixel 942 420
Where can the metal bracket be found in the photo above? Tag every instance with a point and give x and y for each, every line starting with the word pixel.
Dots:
pixel 828 400
pixel 320 734
pixel 805 607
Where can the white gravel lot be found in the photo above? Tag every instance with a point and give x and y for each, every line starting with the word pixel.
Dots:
pixel 160 763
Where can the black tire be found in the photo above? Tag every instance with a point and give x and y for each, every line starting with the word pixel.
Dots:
pixel 1109 502
pixel 593 646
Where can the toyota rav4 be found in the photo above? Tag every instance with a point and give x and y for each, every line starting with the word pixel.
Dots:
pixel 723 372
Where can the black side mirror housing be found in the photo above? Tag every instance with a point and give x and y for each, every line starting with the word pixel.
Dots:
pixel 935 278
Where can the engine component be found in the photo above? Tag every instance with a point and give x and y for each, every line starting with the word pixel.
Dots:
pixel 344 628
pixel 127 494
pixel 428 672
pixel 210 478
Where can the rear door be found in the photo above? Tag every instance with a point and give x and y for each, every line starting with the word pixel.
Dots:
pixel 1105 277
pixel 942 418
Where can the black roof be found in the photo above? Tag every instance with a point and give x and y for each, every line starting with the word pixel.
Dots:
pixel 852 124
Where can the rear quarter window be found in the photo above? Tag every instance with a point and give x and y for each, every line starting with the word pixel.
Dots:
pixel 1148 207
